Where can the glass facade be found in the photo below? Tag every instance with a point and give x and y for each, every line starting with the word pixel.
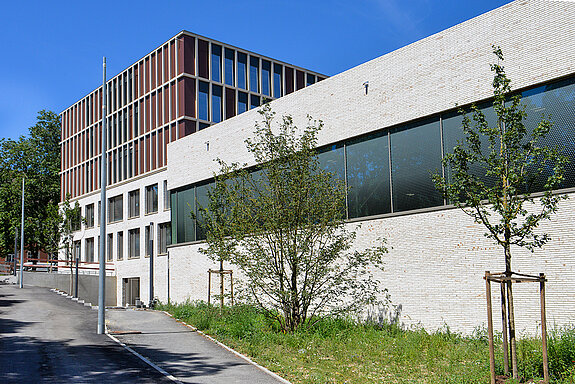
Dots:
pixel 254 73
pixel 203 100
pixel 242 70
pixel 390 170
pixel 216 103
pixel 216 63
pixel 185 85
pixel 229 67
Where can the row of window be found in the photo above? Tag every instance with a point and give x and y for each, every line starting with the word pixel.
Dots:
pixel 390 170
pixel 116 205
pixel 230 67
pixel 115 244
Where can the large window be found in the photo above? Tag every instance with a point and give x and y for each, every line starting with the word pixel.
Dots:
pixel 134 203
pixel 368 176
pixel 147 247
pixel 277 80
pixel 415 155
pixel 229 67
pixel 266 77
pixel 115 209
pixel 390 170
pixel 242 102
pixel 164 238
pixel 166 196
pixel 120 245
pixel 134 243
pixel 90 215
pixel 110 248
pixel 203 100
pixel 90 250
pixel 152 198
pixel 216 63
pixel 254 74
pixel 183 202
pixel 216 103
pixel 242 70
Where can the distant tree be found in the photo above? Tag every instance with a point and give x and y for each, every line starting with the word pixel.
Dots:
pixel 37 158
pixel 282 226
pixel 69 219
pixel 493 172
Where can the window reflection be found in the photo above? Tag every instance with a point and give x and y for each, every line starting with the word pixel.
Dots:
pixel 229 66
pixel 203 100
pixel 368 176
pixel 415 155
pixel 254 72
pixel 216 63
pixel 242 70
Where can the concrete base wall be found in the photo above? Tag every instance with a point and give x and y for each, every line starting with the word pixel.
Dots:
pixel 87 287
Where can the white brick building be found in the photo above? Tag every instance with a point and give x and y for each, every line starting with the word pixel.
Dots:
pixel 438 256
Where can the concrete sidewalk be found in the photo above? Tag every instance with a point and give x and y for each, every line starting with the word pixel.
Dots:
pixel 180 351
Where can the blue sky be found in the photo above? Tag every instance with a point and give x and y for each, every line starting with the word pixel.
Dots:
pixel 52 50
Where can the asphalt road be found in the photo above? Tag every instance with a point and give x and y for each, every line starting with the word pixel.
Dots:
pixel 45 337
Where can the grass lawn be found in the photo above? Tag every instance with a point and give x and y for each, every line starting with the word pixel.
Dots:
pixel 343 351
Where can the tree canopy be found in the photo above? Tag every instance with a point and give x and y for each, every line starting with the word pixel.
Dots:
pixel 37 158
pixel 281 223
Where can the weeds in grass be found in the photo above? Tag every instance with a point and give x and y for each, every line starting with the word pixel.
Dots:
pixel 339 350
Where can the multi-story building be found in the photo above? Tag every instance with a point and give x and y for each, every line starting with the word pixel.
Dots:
pixel 184 86
pixel 387 122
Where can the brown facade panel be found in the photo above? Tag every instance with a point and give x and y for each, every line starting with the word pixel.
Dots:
pixel 166 63
pixel 189 97
pixel 165 143
pixel 189 44
pixel 166 94
pixel 147 150
pixel 160 148
pixel 173 132
pixel 159 61
pixel 147 74
pixel 147 114
pixel 160 108
pixel 82 178
pixel 154 148
pixel 141 116
pixel 130 125
pixel 172 59
pixel 173 101
pixel 289 79
pixel 153 62
pixel 203 59
pixel 154 111
pixel 300 80
pixel 141 75
pixel 137 161
pixel 230 103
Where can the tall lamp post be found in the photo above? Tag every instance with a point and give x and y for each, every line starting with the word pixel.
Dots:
pixel 22 240
pixel 103 181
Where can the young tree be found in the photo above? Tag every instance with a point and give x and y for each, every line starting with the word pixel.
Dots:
pixel 282 225
pixel 493 172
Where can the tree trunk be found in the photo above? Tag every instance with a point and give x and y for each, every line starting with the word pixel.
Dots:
pixel 221 284
pixel 512 339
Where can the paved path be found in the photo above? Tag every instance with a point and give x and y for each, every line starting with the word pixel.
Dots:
pixel 46 338
pixel 185 354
